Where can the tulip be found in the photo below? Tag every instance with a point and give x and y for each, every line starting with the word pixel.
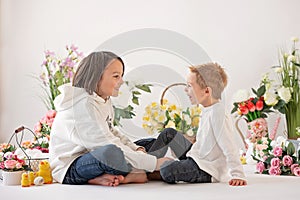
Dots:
pixel 259 105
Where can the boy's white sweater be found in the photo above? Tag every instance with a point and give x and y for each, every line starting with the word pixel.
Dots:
pixel 215 150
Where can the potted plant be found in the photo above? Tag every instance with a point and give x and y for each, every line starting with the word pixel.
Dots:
pixel 12 165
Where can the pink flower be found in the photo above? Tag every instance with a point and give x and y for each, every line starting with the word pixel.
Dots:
pixel 277 151
pixel 261 147
pixel 274 171
pixel 287 160
pixel 10 164
pixel 275 162
pixel 50 122
pixel 43 120
pixel 296 171
pixel 293 166
pixel 51 114
pixel 37 127
pixel 260 167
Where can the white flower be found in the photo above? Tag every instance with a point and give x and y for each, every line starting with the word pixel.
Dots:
pixel 291 58
pixel 295 39
pixel 280 140
pixel 298 130
pixel 278 69
pixel 270 98
pixel 187 118
pixel 190 133
pixel 285 94
pixel 43 140
pixel 241 95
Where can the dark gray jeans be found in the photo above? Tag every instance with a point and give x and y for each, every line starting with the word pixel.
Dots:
pixel 186 169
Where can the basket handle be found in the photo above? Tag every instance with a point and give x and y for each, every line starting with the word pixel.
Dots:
pixel 165 90
pixel 15 134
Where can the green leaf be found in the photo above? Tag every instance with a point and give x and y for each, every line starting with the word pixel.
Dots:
pixel 144 87
pixel 261 91
pixel 290 148
pixel 135 100
pixel 297 64
pixel 254 91
pixel 135 92
pixel 126 113
pixel 234 110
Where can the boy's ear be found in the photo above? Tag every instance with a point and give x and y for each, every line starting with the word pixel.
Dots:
pixel 208 90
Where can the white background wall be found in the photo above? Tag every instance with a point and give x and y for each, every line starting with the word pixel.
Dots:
pixel 243 36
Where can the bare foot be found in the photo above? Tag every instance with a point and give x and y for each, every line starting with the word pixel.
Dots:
pixel 135 176
pixel 107 180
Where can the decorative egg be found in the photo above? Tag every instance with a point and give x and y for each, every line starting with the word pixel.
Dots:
pixel 38 181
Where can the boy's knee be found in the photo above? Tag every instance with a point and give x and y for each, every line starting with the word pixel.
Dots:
pixel 169 133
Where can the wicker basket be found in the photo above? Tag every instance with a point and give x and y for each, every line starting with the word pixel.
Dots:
pixel 166 89
pixel 192 139
pixel 33 163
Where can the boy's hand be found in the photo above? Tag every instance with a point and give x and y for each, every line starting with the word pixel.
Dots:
pixel 161 161
pixel 141 149
pixel 237 182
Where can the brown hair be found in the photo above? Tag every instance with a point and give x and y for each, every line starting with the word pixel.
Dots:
pixel 91 68
pixel 211 75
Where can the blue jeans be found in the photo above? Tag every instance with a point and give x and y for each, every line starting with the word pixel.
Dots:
pixel 107 159
pixel 185 170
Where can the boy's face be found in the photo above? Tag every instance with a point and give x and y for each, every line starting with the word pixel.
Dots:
pixel 196 94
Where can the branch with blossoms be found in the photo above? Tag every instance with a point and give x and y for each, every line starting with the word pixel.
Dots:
pixel 58 71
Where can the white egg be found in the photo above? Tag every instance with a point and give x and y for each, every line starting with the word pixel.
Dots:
pixel 38 181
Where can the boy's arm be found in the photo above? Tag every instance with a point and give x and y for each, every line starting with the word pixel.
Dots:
pixel 224 135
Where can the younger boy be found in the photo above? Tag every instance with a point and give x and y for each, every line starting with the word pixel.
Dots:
pixel 214 152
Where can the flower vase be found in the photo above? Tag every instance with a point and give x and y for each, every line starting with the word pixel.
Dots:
pixel 292 117
pixel 257 129
pixel 12 177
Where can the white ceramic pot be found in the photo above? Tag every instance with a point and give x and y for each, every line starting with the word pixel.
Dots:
pixel 12 178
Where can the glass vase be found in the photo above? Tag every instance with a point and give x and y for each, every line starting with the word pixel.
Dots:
pixel 292 117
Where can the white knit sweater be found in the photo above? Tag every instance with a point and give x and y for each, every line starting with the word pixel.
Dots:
pixel 215 150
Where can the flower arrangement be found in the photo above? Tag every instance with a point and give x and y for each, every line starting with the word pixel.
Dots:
pixel 42 133
pixel 255 109
pixel 159 116
pixel 283 92
pixel 133 89
pixel 7 147
pixel 251 108
pixel 9 161
pixel 58 71
pixel 276 157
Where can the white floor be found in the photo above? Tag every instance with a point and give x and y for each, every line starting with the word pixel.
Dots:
pixel 259 187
